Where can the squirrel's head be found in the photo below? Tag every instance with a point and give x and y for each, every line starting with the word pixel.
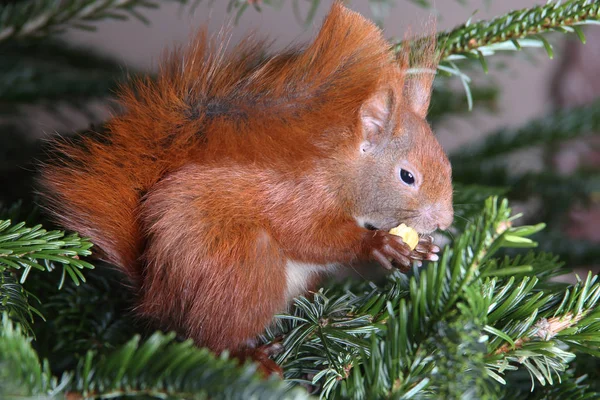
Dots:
pixel 404 175
pixel 393 169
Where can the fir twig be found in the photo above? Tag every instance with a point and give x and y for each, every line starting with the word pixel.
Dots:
pixel 14 301
pixel 445 101
pixel 560 125
pixel 21 372
pixel 535 327
pixel 24 249
pixel 153 369
pixel 385 342
pixel 571 387
pixel 44 71
pixel 40 17
pixel 139 369
pixel 73 324
pixel 518 29
pixel 510 32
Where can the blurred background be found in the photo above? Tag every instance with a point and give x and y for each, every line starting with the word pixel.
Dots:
pixel 526 130
pixel 512 142
pixel 525 78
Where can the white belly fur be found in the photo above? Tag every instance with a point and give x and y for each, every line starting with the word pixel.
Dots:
pixel 298 275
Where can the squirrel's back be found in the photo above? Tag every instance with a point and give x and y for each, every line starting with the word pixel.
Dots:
pixel 207 105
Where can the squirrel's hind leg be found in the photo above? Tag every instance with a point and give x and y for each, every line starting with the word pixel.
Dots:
pixel 211 276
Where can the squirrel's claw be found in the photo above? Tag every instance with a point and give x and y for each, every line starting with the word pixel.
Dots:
pixel 261 356
pixel 426 250
pixel 381 259
pixel 389 250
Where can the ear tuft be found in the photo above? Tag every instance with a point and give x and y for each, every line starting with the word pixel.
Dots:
pixel 420 60
pixel 376 119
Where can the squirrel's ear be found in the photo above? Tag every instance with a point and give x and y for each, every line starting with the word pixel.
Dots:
pixel 417 92
pixel 376 120
pixel 419 60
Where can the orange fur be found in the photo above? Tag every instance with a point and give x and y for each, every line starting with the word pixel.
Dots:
pixel 224 169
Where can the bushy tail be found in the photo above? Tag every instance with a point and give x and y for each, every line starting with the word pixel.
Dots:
pixel 95 187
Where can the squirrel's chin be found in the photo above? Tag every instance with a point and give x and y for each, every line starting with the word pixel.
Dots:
pixel 423 230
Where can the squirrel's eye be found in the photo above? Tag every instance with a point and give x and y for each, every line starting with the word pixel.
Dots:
pixel 407 177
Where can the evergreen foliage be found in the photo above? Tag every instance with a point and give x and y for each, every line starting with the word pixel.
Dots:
pixel 488 320
pixel 490 160
pixel 158 367
pixel 21 19
pixel 24 249
pixel 35 72
pixel 508 31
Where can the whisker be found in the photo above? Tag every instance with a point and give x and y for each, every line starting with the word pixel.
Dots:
pixel 466 219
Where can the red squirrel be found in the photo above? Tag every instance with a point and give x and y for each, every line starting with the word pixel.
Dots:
pixel 236 179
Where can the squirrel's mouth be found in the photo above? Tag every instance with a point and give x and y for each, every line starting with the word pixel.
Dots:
pixel 386 226
pixel 377 224
pixel 371 227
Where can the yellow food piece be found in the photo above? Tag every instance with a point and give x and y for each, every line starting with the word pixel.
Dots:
pixel 408 234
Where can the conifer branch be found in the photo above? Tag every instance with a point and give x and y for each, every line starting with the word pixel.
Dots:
pixel 47 71
pixel 14 301
pixel 74 323
pixel 470 312
pixel 140 369
pixel 154 368
pixel 445 101
pixel 373 340
pixel 21 372
pixel 557 126
pixel 567 189
pixel 24 249
pixel 518 29
pixel 510 32
pixel 447 330
pixel 40 17
pixel 490 160
pixel 571 386
pixel 545 329
pixel 538 342
pixel 556 190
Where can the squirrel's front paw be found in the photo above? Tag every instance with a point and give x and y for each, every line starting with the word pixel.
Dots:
pixel 425 250
pixel 388 249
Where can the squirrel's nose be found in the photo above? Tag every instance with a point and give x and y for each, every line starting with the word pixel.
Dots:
pixel 443 226
pixel 439 216
pixel 445 221
pixel 445 217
